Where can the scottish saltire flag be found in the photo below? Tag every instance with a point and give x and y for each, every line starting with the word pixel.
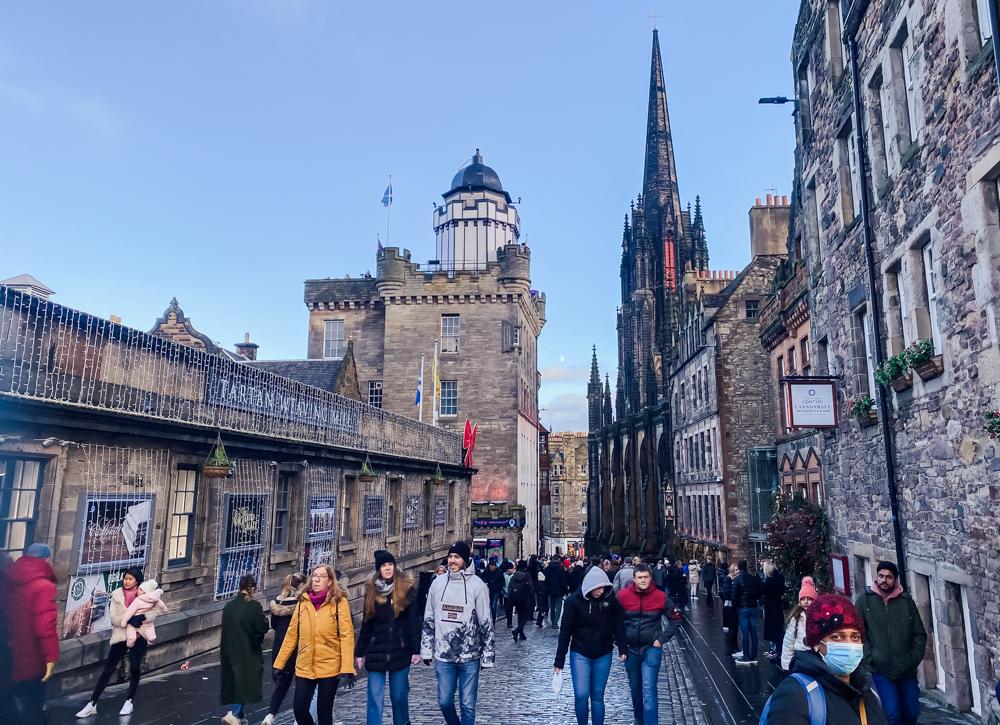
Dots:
pixel 379 240
pixel 387 196
pixel 420 384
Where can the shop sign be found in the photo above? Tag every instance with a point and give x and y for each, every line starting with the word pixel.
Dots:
pixel 115 532
pixel 511 523
pixel 811 403
pixel 411 514
pixel 87 603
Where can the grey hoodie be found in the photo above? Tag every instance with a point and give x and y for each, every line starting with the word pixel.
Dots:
pixel 458 626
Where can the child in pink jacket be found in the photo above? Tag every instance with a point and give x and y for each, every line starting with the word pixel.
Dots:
pixel 148 600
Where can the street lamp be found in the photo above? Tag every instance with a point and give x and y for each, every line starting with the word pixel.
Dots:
pixel 777 100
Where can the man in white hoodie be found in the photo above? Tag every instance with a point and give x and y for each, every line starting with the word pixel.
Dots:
pixel 458 634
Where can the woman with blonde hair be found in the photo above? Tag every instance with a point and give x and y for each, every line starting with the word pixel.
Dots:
pixel 390 639
pixel 322 636
pixel 282 608
pixel 730 616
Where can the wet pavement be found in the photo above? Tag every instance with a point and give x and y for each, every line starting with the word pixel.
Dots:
pixel 700 684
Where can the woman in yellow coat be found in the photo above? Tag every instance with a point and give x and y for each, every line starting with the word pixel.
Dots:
pixel 322 636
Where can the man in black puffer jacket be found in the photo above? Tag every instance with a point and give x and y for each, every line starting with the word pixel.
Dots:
pixel 745 596
pixel 556 588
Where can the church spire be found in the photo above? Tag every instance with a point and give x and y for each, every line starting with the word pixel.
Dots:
pixel 595 376
pixel 659 185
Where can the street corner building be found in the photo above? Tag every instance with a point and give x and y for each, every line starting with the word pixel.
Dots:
pixel 104 435
pixel 672 462
pixel 466 324
pixel 892 290
pixel 564 494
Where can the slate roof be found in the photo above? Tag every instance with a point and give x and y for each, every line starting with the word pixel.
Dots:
pixel 318 373
pixel 327 290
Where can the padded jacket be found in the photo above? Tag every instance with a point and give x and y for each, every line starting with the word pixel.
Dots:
pixel 323 639
pixel 646 617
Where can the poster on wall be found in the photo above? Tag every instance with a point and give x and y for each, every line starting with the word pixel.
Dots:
pixel 411 514
pixel 494 549
pixel 440 510
pixel 322 517
pixel 374 514
pixel 87 603
pixel 232 566
pixel 115 532
pixel 320 552
pixel 244 534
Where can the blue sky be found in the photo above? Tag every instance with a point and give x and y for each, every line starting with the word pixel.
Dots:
pixel 224 151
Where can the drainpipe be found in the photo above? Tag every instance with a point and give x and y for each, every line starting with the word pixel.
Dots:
pixel 850 40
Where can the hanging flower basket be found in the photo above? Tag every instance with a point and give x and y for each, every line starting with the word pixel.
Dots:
pixel 862 407
pixel 438 476
pixel 218 464
pixel 993 423
pixel 367 475
pixel 920 355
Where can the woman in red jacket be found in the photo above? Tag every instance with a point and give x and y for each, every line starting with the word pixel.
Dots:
pixel 34 643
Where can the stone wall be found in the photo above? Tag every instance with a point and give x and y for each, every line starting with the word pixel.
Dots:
pixel 935 189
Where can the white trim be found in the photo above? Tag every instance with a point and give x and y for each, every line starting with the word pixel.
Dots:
pixel 970 652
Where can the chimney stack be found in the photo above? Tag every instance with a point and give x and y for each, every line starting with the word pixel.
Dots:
pixel 246 348
pixel 769 227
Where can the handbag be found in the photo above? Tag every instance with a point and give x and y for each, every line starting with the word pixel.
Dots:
pixel 557 681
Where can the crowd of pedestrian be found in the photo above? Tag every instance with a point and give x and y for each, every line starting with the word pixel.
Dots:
pixel 846 662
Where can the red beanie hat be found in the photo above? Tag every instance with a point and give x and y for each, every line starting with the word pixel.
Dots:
pixel 831 613
pixel 808 588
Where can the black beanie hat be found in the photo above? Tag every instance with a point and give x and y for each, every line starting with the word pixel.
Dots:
pixel 383 557
pixel 888 566
pixel 463 550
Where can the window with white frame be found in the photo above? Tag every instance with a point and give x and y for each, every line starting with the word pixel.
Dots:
pixel 931 299
pixel 449 333
pixel 282 507
pixel 885 114
pixel 864 368
pixel 791 361
pixel 333 339
pixel 375 393
pixel 854 167
pixel 909 58
pixel 20 482
pixel 449 398
pixel 847 174
pixel 835 45
pixel 981 15
pixel 182 505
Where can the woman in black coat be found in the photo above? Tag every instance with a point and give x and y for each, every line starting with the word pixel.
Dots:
pixel 521 592
pixel 389 641
pixel 281 614
pixel 240 655
pixel 730 615
pixel 835 633
pixel 773 595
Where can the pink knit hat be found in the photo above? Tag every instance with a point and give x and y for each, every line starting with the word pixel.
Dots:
pixel 808 588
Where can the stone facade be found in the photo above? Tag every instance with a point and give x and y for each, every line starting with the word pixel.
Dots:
pixel 928 168
pixel 477 302
pixel 568 482
pixel 105 436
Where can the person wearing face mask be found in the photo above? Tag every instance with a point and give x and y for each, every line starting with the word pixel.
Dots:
pixel 827 685
pixel 896 643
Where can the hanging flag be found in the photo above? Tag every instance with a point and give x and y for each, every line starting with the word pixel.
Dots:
pixel 387 196
pixel 420 382
pixel 469 442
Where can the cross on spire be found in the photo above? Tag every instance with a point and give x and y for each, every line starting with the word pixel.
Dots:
pixel 654 16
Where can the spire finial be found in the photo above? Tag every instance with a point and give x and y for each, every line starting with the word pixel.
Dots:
pixel 654 16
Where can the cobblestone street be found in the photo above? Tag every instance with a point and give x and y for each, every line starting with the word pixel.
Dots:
pixel 515 692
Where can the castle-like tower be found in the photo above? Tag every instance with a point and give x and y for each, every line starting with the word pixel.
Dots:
pixel 660 241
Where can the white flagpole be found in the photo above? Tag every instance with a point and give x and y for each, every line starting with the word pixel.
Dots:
pixel 434 386
pixel 420 408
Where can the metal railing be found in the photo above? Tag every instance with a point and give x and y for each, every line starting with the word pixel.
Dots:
pixel 60 355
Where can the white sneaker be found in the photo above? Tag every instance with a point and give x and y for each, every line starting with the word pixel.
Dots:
pixel 269 720
pixel 126 708
pixel 737 654
pixel 88 710
pixel 230 719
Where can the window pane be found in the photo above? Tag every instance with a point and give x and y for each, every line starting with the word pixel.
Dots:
pixel 449 397
pixel 333 339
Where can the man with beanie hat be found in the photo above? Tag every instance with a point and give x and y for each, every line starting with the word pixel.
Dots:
pixel 458 634
pixel 895 644
pixel 34 642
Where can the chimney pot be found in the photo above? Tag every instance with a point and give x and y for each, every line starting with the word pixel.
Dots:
pixel 769 200
pixel 784 201
pixel 756 202
pixel 246 337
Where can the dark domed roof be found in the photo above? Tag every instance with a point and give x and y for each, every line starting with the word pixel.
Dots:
pixel 477 175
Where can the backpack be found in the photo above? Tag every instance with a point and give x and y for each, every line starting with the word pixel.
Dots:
pixel 815 698
pixel 517 590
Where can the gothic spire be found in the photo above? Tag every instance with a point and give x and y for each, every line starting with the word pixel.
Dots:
pixel 595 376
pixel 659 186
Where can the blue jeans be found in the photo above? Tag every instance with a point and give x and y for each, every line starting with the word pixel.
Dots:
pixel 464 676
pixel 900 698
pixel 643 670
pixel 399 696
pixel 748 632
pixel 494 604
pixel 590 677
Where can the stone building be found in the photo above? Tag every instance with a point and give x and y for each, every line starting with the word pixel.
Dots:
pixel 569 477
pixel 721 394
pixel 103 433
pixel 476 300
pixel 630 449
pixel 913 181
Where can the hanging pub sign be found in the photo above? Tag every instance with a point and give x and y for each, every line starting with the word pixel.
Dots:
pixel 233 388
pixel 810 402
pixel 115 532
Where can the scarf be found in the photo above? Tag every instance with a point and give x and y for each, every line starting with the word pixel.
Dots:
pixel 130 595
pixel 384 588
pixel 317 598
